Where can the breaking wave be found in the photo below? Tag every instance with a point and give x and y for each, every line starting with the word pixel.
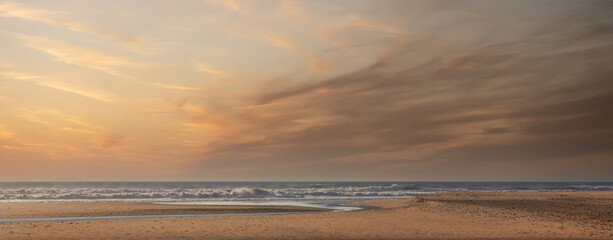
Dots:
pixel 190 191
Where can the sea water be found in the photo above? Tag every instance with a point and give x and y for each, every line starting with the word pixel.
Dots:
pixel 254 193
pixel 331 195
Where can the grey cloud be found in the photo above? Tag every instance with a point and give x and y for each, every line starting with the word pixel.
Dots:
pixel 550 85
pixel 498 130
pixel 529 150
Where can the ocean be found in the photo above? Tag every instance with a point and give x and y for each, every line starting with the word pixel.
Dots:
pixel 261 192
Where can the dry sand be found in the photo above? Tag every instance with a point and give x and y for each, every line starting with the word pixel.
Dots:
pixel 465 215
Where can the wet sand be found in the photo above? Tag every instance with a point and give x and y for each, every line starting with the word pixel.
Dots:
pixel 58 210
pixel 464 215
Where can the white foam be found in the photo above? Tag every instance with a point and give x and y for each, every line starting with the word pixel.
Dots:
pixel 193 192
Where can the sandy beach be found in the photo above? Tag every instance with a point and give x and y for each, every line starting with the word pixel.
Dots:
pixel 453 215
pixel 48 210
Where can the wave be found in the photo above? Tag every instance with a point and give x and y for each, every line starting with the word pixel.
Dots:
pixel 237 191
pixel 203 193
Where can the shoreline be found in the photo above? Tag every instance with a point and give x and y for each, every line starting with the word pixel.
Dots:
pixel 147 210
pixel 450 215
pixel 133 209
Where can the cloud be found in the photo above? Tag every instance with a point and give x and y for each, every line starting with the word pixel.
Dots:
pixel 90 94
pixel 16 10
pixel 4 133
pixel 355 30
pixel 93 59
pixel 6 65
pixel 396 90
pixel 71 128
pixel 316 64
pixel 277 41
pixel 109 141
pixel 79 56
pixel 476 15
pixel 57 119
pixel 296 10
pixel 497 130
pixel 33 117
pixel 9 147
pixel 52 83
pixel 441 105
pixel 205 68
pixel 175 87
pixel 232 5
pixel 359 21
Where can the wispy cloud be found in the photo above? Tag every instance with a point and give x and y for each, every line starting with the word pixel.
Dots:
pixel 69 125
pixel 277 41
pixel 344 33
pixel 317 64
pixel 354 21
pixel 360 21
pixel 476 15
pixel 6 65
pixel 52 83
pixel 33 117
pixel 80 56
pixel 90 94
pixel 94 59
pixel 205 68
pixel 16 10
pixel 4 133
pixel 170 86
pixel 76 120
pixel 241 7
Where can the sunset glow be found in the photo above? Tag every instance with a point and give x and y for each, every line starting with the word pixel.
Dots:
pixel 305 90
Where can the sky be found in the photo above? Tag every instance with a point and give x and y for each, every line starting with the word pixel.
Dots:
pixel 313 90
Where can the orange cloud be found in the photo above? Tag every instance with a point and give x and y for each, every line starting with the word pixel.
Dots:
pixel 86 93
pixel 5 133
pixel 9 147
pixel 15 10
pixel 205 68
pixel 278 41
pixel 241 7
pixel 80 56
pixel 6 65
pixel 359 21
pixel 317 64
pixel 170 86
pixel 51 83
pixel 323 90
